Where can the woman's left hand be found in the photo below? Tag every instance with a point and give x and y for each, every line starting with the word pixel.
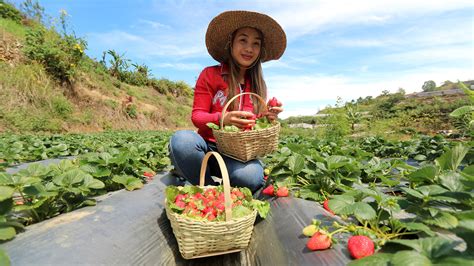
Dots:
pixel 272 113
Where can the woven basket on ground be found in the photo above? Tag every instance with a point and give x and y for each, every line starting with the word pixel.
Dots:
pixel 198 239
pixel 246 145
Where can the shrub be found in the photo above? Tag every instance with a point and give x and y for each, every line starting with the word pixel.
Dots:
pixel 58 53
pixel 131 111
pixel 61 106
pixel 9 12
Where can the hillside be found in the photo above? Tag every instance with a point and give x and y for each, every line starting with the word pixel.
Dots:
pixel 48 84
pixel 395 115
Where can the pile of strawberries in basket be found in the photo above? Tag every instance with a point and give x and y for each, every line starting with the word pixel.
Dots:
pixel 208 203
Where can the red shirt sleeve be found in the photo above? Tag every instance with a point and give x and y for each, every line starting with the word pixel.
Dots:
pixel 202 105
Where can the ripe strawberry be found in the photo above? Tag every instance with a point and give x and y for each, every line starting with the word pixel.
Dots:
pixel 273 102
pixel 270 190
pixel 326 206
pixel 180 197
pixel 220 206
pixel 319 241
pixel 360 246
pixel 282 192
pixel 180 204
pixel 148 174
pixel 265 178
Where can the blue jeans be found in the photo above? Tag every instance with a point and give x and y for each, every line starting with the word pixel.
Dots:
pixel 187 150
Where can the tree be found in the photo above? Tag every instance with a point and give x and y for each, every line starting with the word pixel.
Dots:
pixel 353 116
pixel 429 86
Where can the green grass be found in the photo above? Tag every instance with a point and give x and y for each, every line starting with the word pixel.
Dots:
pixel 30 101
pixel 13 27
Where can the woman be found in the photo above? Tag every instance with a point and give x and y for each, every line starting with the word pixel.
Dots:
pixel 240 41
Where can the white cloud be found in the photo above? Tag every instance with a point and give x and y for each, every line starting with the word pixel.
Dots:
pixel 295 90
pixel 303 17
pixel 153 24
pixel 430 55
pixel 144 47
pixel 181 66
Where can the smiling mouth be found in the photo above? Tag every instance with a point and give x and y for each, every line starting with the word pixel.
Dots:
pixel 247 57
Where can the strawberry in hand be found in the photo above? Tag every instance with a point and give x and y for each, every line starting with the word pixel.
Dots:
pixel 274 102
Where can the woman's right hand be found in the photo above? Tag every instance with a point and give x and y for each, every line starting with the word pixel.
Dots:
pixel 240 119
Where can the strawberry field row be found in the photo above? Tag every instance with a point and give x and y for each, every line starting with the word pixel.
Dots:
pixel 367 181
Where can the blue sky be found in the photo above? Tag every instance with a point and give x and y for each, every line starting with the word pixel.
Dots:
pixel 346 49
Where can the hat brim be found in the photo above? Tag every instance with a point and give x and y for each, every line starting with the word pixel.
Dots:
pixel 223 25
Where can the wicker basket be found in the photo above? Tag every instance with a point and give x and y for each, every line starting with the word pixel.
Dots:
pixel 198 239
pixel 246 145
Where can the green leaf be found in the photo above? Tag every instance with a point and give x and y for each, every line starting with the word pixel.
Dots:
pixel 363 211
pixel 35 170
pixel 412 192
pixel 191 190
pixel 171 192
pixel 461 111
pixel 4 259
pixel 7 233
pixel 240 211
pixel 451 159
pixel 70 178
pixel 262 207
pixel 307 192
pixel 466 219
pixel 431 247
pixel 213 126
pixel 6 206
pixel 409 258
pixel 96 171
pixel 93 183
pixel 6 179
pixel 412 226
pixel 431 190
pixel 467 171
pixel 130 182
pixel 443 220
pixel 452 261
pixel 6 192
pixel 420 157
pixel 296 163
pixel 339 204
pixel 378 259
pixel 451 180
pixel 337 161
pixel 426 173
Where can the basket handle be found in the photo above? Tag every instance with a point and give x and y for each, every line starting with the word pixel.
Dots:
pixel 225 181
pixel 224 110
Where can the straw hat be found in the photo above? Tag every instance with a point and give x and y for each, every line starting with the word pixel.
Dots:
pixel 222 26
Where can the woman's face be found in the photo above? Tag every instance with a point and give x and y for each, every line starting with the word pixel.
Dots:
pixel 246 46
